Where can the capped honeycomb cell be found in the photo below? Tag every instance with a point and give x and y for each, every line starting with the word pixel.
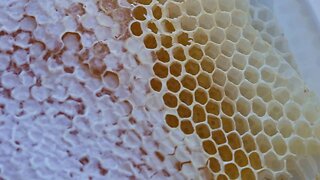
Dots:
pixel 209 6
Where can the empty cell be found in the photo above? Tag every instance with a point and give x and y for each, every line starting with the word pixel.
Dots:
pixel 200 36
pixel 248 143
pixel 239 61
pixel 166 41
pixel 260 45
pixel 195 52
pixel 275 110
pixel 214 122
pixel 249 33
pixel 163 55
pixel 233 33
pixel 259 107
pixel 223 63
pixel 234 140
pixel 243 106
pixel 285 128
pixel 212 107
pixel 204 80
pixel 281 44
pixel 172 10
pixel 201 96
pixel 203 131
pixel 226 5
pixel 241 124
pixel 175 69
pixel 244 46
pixel 281 94
pixel 247 174
pixel 256 60
pixel 178 53
pixel 157 12
pixel 209 6
pixel 231 91
pixel 258 25
pixel 193 8
pixel 214 164
pixel 212 50
pixel 283 176
pixel 139 13
pixel 186 97
pixel 235 76
pixel 219 137
pixel 263 143
pixel 111 80
pixel 150 41
pixel 267 74
pixel 252 74
pixel 272 60
pixel 279 145
pixel 241 158
pixel 255 161
pixel 302 129
pixel 206 21
pixel 265 174
pixel 207 64
pixel 198 114
pixel 184 39
pixel 219 77
pixel 231 170
pixel 183 111
pixel 292 111
pixel 264 91
pixel 170 100
pixel 270 127
pixel 247 90
pixel 156 84
pixel 160 70
pixel 316 130
pixel 267 37
pixel 222 19
pixel 135 28
pixel 189 82
pixel 273 29
pixel 173 85
pixel 217 35
pixel 313 147
pixel 255 124
pixel 186 127
pixel 153 27
pixel 188 23
pixel 209 147
pixel 227 107
pixel 172 121
pixel 168 26
pixel 239 18
pixel 225 153
pixel 264 14
pixel 272 162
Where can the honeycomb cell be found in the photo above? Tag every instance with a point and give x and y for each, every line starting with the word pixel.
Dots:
pixel 209 147
pixel 282 95
pixel 233 33
pixel 225 153
pixel 186 97
pixel 157 12
pixel 263 143
pixel 275 110
pixel 264 91
pixel 204 80
pixel 192 67
pixel 243 106
pixel 222 177
pixel 156 84
pixel 189 82
pixel 163 55
pixel 234 140
pixel 150 41
pixel 219 77
pixel 247 90
pixel 313 147
pixel 252 75
pixel 170 100
pixel 249 33
pixel 217 35
pixel 227 108
pixel 255 124
pixel 172 10
pixel 144 2
pixel 265 174
pixel 226 5
pixel 212 107
pixel 160 70
pixel 240 158
pixel 227 48
pixel 139 13
pixel 178 53
pixel 166 41
pixel 173 85
pixel 186 127
pixel 206 21
pixel 212 50
pixel 222 19
pixel 193 8
pixel 188 23
pixel 244 46
pixel 270 127
pixel 279 145
pixel 96 67
pixel 256 60
pixel 241 124
pixel 153 27
pixel 214 164
pixel 227 124
pixel 272 162
pixel 260 45
pixel 135 28
pixel 172 121
pixel 219 137
pixel 207 64
pixel 168 26
pixel 184 39
pixel 248 143
pixel 302 129
pixel 209 6
pixel 267 74
pixel 285 128
pixel 214 122
pixel 223 63
pixel 175 69
pixel 272 61
pixel 199 114
pixel 292 111
pixel 200 36
pixel 231 170
pixel 111 79
pixel 247 174
pixel 239 61
pixel 238 18
pixel 195 52
pixel 201 96
pixel 203 131
pixel 255 161
pixel 183 111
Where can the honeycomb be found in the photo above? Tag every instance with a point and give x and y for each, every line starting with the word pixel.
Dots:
pixel 152 89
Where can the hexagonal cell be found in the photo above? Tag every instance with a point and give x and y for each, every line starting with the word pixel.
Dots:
pixel 209 147
pixel 219 137
pixel 219 77
pixel 255 124
pixel 258 25
pixel 264 91
pixel 234 140
pixel 227 48
pixel 273 29
pixel 279 145
pixel 201 96
pixel 231 170
pixel 204 80
pixel 203 131
pixel 111 79
pixel 241 124
pixel 265 174
pixel 282 95
pixel 275 110
pixel 175 69
pixel 183 111
pixel 244 46
pixel 198 114
pixel 217 35
pixel 170 100
pixel 153 27
pixel 248 143
pixel 227 124
pixel 173 85
pixel 247 90
pixel 272 61
pixel 247 174
pixel 172 121
pixel 186 127
pixel 222 177
pixel 193 8
pixel 283 176
pixel 163 55
pixel 260 45
pixel 178 53
pixel 160 70
pixel 144 2
pixel 200 36
pixel 209 6
pixel 172 10
pixel 214 122
pixel 192 67
pixel 313 147
pixel 186 96
pixel 249 33
pixel 223 63
pixel 212 107
pixel 255 161
pixel 214 164
pixel 157 12
pixel 227 107
pixel 270 127
pixel 136 29
pixel 212 50
pixel 215 93
pixel 167 26
pixel 166 41
pixel 239 61
pixel 235 76
pixel 188 23
pixel 189 82
pixel 207 64
pixel 272 162
pixel 243 106
pixel 183 38
pixel 285 128
pixel 316 130
pixel 139 13
pixel 241 158
pixel 225 153
pixel 239 18
pixel 206 21
pixel 267 74
pixel 231 91
pixel 156 84
pixel 252 74
pixel 195 52
pixel 233 33
pixel 263 143
pixel 256 60
pixel 226 5
pixel 292 111
pixel 303 129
